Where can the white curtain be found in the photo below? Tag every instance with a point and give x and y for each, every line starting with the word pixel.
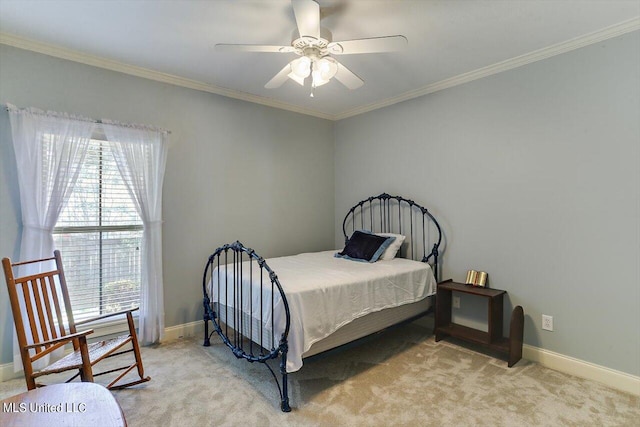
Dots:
pixel 141 153
pixel 50 149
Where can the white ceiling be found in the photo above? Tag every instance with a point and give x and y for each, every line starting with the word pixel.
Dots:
pixel 446 40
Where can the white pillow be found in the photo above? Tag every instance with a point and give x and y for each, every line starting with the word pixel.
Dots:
pixel 392 250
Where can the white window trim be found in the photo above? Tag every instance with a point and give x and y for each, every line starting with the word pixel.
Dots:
pixel 102 328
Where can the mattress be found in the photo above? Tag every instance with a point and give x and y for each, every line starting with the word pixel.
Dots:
pixel 324 294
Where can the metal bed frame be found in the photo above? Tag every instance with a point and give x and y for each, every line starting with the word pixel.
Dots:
pixel 379 214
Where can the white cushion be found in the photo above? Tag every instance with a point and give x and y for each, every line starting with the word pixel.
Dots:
pixel 392 250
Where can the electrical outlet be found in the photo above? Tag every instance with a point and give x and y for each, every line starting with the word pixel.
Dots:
pixel 547 322
pixel 455 302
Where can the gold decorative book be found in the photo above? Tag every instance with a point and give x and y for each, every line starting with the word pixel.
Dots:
pixel 477 278
pixel 471 276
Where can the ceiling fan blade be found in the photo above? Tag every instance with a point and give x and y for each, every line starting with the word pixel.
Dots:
pixel 279 78
pixel 347 77
pixel 307 14
pixel 222 47
pixel 372 45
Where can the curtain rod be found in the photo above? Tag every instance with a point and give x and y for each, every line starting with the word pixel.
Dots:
pixel 34 110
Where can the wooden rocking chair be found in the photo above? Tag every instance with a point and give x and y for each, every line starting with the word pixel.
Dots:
pixel 45 310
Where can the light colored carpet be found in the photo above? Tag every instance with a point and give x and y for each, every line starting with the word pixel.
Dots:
pixel 400 378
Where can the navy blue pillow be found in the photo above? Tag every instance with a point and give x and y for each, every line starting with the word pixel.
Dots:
pixel 365 247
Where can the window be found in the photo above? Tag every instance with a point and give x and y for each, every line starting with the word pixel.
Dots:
pixel 99 234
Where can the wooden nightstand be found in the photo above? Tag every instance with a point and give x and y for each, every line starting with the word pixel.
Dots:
pixel 493 339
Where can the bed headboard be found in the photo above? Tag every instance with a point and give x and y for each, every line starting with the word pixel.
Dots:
pixel 395 214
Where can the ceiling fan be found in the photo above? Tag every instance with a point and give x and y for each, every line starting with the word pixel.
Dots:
pixel 314 46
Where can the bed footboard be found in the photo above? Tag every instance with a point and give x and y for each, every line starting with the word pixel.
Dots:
pixel 248 309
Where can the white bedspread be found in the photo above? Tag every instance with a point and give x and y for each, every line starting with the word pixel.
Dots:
pixel 325 293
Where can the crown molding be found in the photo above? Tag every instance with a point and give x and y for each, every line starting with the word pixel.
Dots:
pixel 509 64
pixel 112 65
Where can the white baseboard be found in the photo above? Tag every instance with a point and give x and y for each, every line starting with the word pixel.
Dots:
pixel 6 372
pixel 569 365
pixel 549 359
pixel 190 329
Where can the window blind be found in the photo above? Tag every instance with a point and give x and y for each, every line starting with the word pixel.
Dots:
pixel 99 234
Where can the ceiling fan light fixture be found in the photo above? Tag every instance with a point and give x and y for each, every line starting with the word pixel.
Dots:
pixel 296 78
pixel 300 70
pixel 323 70
pixel 301 67
pixel 317 79
pixel 328 67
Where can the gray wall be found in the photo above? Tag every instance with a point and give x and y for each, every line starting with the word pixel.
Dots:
pixel 235 170
pixel 535 176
